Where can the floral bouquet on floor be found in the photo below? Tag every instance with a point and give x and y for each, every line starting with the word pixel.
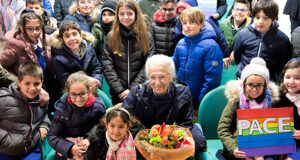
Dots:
pixel 165 142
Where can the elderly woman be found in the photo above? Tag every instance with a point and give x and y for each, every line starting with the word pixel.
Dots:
pixel 162 100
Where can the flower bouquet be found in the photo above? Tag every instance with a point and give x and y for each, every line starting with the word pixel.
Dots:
pixel 165 142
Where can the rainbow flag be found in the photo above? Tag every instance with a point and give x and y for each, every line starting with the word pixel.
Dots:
pixel 267 131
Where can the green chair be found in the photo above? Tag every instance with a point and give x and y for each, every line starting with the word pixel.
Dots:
pixel 46 151
pixel 105 88
pixel 229 73
pixel 210 111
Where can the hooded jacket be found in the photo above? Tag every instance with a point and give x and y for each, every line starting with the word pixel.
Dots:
pixel 274 47
pixel 198 62
pixel 72 121
pixel 227 124
pixel 66 63
pixel 163 33
pixel 20 121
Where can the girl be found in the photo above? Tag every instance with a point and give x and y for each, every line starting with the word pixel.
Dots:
pixel 126 50
pixel 290 89
pixel 75 115
pixel 111 139
pixel 254 90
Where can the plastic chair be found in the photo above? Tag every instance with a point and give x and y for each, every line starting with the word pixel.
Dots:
pixel 105 88
pixel 210 111
pixel 229 73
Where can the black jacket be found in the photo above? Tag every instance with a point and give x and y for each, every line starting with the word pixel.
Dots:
pixel 292 8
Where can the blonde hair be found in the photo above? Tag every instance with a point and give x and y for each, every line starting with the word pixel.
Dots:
pixel 139 27
pixel 195 15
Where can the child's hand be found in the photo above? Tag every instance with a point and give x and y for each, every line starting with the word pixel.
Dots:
pixel 84 143
pixel 239 154
pixel 296 134
pixel 77 151
pixel 94 83
pixel 53 22
pixel 45 98
pixel 226 62
pixel 43 132
pixel 124 94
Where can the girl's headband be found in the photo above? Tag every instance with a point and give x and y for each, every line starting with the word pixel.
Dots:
pixel 292 60
pixel 118 106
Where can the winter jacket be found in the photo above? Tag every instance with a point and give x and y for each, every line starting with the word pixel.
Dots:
pixel 175 106
pixel 61 9
pixel 47 6
pixel 66 63
pixel 149 7
pixel 7 15
pixel 98 147
pixel 198 62
pixel 292 8
pixel 21 120
pixel 6 78
pixel 227 124
pixel 221 8
pixel 274 47
pixel 123 72
pixel 163 34
pixel 70 120
pixel 295 40
pixel 220 37
pixel 226 27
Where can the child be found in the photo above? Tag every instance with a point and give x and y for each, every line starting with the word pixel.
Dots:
pixel 262 38
pixel 72 53
pixel 61 9
pixel 163 28
pixel 37 6
pixel 81 12
pixel 253 90
pixel 126 50
pixel 114 130
pixel 197 57
pixel 103 26
pixel 74 116
pixel 23 121
pixel 235 23
pixel 290 89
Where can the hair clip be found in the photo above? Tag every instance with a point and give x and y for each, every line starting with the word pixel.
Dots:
pixel 292 60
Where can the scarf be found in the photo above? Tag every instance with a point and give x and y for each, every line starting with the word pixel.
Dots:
pixel 89 103
pixel 295 98
pixel 121 150
pixel 40 57
pixel 106 27
pixel 266 103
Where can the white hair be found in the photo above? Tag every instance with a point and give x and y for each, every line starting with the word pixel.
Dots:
pixel 160 59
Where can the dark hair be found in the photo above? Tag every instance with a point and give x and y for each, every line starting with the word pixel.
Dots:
pixel 290 65
pixel 66 25
pixel 118 111
pixel 168 1
pixel 79 76
pixel 246 2
pixel 269 7
pixel 260 98
pixel 30 68
pixel 34 2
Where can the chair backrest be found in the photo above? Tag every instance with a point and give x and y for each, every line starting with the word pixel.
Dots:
pixel 229 73
pixel 210 111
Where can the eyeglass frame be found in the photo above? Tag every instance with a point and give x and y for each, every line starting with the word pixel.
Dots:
pixel 256 86
pixel 241 9
pixel 32 29
pixel 80 94
pixel 167 9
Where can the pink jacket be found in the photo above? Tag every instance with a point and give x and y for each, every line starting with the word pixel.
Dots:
pixel 19 50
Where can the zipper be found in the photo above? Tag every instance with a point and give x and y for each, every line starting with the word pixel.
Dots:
pixel 187 59
pixel 128 73
pixel 259 48
pixel 31 115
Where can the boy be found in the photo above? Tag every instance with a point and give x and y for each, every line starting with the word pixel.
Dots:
pixel 37 7
pixel 263 39
pixel 198 57
pixel 163 28
pixel 81 13
pixel 23 122
pixel 234 24
pixel 72 53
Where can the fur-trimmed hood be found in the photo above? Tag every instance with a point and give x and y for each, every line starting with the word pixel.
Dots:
pixel 232 91
pixel 57 43
pixel 95 12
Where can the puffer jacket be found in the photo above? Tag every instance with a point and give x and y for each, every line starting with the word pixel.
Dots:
pixel 66 63
pixel 20 121
pixel 61 9
pixel 227 29
pixel 295 40
pixel 72 121
pixel 122 72
pixel 227 124
pixel 163 33
pixel 274 47
pixel 198 62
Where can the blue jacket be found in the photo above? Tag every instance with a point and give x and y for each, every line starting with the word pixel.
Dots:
pixel 274 47
pixel 220 37
pixel 61 9
pixel 84 22
pixel 72 121
pixel 47 6
pixel 198 62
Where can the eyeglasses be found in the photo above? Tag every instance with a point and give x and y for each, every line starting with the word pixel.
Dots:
pixel 32 29
pixel 241 9
pixel 168 9
pixel 256 86
pixel 161 78
pixel 80 94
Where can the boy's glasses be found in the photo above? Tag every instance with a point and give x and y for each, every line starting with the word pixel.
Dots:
pixel 80 94
pixel 32 29
pixel 256 86
pixel 241 9
pixel 168 9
